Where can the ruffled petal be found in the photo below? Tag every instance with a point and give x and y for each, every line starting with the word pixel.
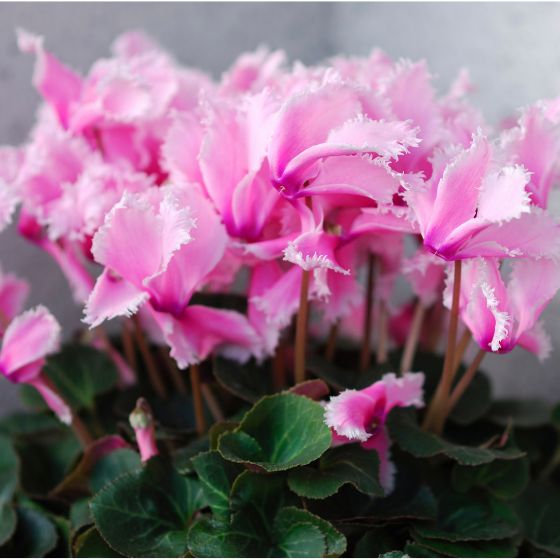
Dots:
pixel 381 443
pixel 29 337
pixel 60 86
pixel 112 297
pixel 52 398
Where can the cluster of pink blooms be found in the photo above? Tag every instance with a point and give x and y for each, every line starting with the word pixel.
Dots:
pixel 148 182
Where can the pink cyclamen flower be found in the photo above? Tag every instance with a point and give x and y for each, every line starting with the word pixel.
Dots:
pixel 335 121
pixel 502 315
pixel 142 422
pixel 471 207
pixel 28 340
pixel 535 144
pixel 360 416
pixel 159 248
pixel 425 273
pixel 13 293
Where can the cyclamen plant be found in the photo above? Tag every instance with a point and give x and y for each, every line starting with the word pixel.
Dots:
pixel 258 392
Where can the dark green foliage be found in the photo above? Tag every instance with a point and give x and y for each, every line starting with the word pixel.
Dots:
pixel 265 481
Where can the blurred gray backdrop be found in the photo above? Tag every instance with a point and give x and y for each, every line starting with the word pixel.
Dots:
pixel 511 50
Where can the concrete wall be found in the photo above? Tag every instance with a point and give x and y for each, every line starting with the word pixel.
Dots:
pixel 510 49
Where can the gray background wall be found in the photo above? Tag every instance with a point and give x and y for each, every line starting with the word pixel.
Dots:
pixel 511 50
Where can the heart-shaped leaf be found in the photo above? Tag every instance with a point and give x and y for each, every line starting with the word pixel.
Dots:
pixel 474 549
pixel 408 435
pixel 113 465
pixel 280 432
pixel 146 513
pixel 466 518
pixel 216 476
pixel 347 464
pixel 34 537
pixel 90 544
pixel 249 381
pixel 79 373
pixel 503 479
pixel 539 510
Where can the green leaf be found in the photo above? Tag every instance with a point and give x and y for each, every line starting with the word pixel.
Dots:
pixel 147 513
pixel 45 460
pixel 210 538
pixel 539 510
pixel 21 423
pixel 341 378
pixel 217 430
pixel 376 542
pixel 298 540
pixel 79 373
pixel 182 458
pixel 249 381
pixel 280 432
pixel 394 554
pixel 527 413
pixel 555 416
pixel 9 468
pixel 80 514
pixel 9 474
pixel 90 544
pixel 111 466
pixel 503 479
pixel 292 516
pixel 408 435
pixel 415 550
pixel 475 549
pixel 34 537
pixel 469 518
pixel 216 476
pixel 7 522
pixel 347 464
pixel 420 505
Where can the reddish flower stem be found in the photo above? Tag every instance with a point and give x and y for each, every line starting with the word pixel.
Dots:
pixel 413 336
pixel 153 373
pixel 365 356
pixel 461 348
pixel 197 400
pixel 301 330
pixel 331 342
pixel 459 390
pixel 439 402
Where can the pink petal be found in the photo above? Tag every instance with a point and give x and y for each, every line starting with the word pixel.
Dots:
pixel 281 300
pixel 457 193
pixel 29 337
pixel 52 398
pixel 536 340
pixel 506 185
pixel 112 297
pixel 315 250
pixel 139 238
pixel 59 85
pixel 425 272
pixel 533 284
pixel 13 293
pixel 352 413
pixel 404 391
pixel 381 443
pixel 203 330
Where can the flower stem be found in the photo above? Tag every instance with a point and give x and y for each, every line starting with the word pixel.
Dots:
pixel 81 432
pixel 212 402
pixel 128 344
pixel 279 367
pixel 153 374
pixel 301 330
pixel 381 354
pixel 413 337
pixel 459 390
pixel 439 402
pixel 197 400
pixel 177 377
pixel 365 356
pixel 461 348
pixel 331 342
